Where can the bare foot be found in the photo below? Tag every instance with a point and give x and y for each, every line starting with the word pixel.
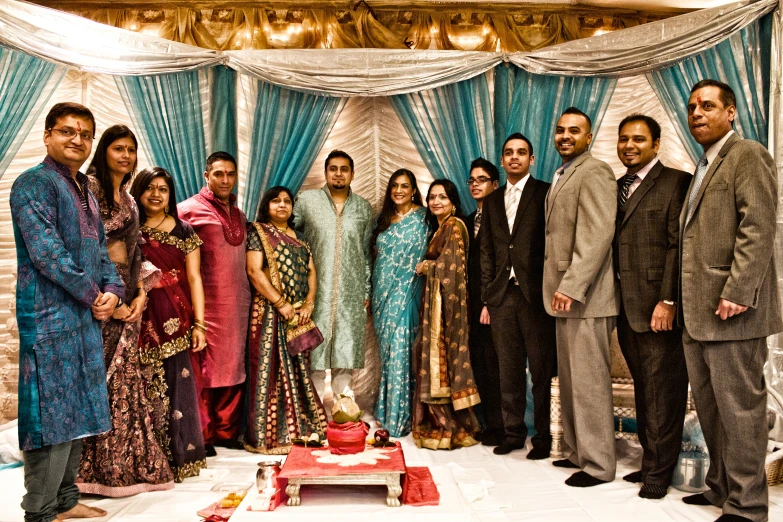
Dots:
pixel 82 511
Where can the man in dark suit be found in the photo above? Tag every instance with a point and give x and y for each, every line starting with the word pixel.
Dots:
pixel 512 269
pixel 646 261
pixel 483 180
pixel 729 300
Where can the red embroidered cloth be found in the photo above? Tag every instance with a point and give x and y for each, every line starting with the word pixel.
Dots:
pixel 302 463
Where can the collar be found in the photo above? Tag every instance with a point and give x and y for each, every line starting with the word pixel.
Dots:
pixel 325 188
pixel 519 185
pixel 208 194
pixel 714 149
pixel 65 171
pixel 647 168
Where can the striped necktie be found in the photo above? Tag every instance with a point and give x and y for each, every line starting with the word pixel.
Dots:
pixel 477 223
pixel 625 188
pixel 698 177
pixel 511 205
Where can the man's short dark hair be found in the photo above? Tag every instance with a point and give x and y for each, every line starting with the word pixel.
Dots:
pixel 518 136
pixel 486 166
pixel 574 110
pixel 61 110
pixel 219 156
pixel 727 96
pixel 655 128
pixel 338 154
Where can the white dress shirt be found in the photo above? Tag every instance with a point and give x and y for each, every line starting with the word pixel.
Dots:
pixel 511 199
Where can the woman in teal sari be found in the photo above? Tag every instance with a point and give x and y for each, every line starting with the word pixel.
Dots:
pixel 400 238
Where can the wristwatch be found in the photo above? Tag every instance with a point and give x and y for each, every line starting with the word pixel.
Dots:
pixel 670 303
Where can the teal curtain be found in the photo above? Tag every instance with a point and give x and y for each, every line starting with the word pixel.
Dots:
pixel 289 130
pixel 743 62
pixel 23 80
pixel 223 109
pixel 532 103
pixel 450 127
pixel 166 112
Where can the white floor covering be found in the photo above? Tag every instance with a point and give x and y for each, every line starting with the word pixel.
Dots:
pixel 534 491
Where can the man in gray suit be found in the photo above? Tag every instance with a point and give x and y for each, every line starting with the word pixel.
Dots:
pixel 646 255
pixel 729 300
pixel 580 291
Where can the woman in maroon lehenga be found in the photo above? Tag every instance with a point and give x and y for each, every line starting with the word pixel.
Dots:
pixel 128 459
pixel 173 323
pixel 445 392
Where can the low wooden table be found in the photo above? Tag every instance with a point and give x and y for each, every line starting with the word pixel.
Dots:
pixel 305 466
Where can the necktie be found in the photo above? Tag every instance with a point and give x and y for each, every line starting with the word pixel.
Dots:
pixel 511 205
pixel 622 196
pixel 558 174
pixel 477 223
pixel 698 177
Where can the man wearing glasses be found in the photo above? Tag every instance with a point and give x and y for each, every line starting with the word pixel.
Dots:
pixel 67 286
pixel 512 271
pixel 482 182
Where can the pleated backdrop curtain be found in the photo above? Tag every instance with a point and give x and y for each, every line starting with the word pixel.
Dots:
pixel 742 61
pixel 289 130
pixel 23 83
pixel 450 127
pixel 167 114
pixel 532 103
pixel 223 109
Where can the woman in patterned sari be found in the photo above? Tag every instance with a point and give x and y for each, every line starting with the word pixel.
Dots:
pixel 172 324
pixel 128 459
pixel 445 389
pixel 283 404
pixel 400 239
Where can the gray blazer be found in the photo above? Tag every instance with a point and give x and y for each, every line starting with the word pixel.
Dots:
pixel 580 217
pixel 726 249
pixel 646 243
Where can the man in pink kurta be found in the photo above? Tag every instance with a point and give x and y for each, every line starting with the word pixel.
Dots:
pixel 220 367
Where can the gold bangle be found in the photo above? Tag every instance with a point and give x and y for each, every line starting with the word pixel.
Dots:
pixel 280 302
pixel 310 303
pixel 201 326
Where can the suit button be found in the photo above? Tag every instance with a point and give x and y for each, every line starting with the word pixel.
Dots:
pixel 546 257
pixel 547 232
pixel 510 246
pixel 508 268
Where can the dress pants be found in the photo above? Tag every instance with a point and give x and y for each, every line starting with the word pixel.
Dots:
pixel 49 478
pixel 224 407
pixel 660 381
pixel 523 331
pixel 584 368
pixel 484 359
pixel 727 380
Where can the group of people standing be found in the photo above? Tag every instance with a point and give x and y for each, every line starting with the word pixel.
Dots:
pixel 214 329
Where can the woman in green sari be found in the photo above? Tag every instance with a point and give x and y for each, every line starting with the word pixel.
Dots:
pixel 283 402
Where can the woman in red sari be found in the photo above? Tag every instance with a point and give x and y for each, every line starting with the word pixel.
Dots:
pixel 446 392
pixel 172 323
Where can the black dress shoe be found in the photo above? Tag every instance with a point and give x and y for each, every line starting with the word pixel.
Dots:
pixel 653 492
pixel 229 443
pixel 732 518
pixel 538 454
pixel 580 479
pixel 697 500
pixel 492 438
pixel 634 477
pixel 564 463
pixel 209 450
pixel 509 445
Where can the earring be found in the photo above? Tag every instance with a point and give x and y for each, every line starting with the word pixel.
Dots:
pixel 453 211
pixel 166 210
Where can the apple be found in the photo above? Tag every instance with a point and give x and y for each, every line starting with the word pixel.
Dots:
pixel 382 435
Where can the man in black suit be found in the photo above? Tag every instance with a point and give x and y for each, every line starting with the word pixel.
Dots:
pixel 483 180
pixel 512 271
pixel 649 201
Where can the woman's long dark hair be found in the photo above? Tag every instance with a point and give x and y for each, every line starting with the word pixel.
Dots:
pixel 142 180
pixel 453 195
pixel 263 207
pixel 389 207
pixel 99 166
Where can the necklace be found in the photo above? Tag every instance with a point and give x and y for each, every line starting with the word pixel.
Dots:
pixel 161 221
pixel 281 230
pixel 399 215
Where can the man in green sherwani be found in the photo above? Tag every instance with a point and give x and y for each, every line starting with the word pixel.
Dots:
pixel 337 225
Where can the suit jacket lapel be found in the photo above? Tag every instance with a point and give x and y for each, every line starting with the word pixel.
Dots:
pixel 710 172
pixel 524 200
pixel 555 189
pixel 500 209
pixel 646 184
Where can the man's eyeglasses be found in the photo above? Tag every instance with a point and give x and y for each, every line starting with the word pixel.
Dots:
pixel 70 133
pixel 478 181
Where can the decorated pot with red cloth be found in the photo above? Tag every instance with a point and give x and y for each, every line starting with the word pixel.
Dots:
pixel 347 438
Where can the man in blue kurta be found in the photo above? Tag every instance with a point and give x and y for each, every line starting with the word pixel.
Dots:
pixel 66 286
pixel 337 225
